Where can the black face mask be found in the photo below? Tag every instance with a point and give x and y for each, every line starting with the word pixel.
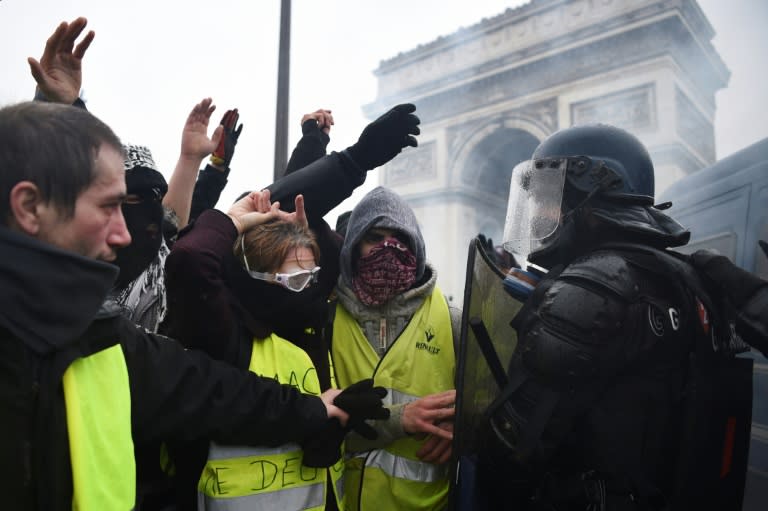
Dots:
pixel 144 221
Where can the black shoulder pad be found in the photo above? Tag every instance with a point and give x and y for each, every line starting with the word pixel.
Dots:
pixel 573 328
pixel 604 270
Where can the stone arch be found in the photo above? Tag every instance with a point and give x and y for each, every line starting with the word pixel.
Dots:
pixel 484 168
pixel 499 140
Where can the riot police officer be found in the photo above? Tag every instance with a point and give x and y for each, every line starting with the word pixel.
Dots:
pixel 601 410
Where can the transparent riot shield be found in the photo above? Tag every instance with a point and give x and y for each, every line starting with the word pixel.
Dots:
pixel 486 347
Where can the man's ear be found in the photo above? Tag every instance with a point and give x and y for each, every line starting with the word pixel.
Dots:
pixel 25 202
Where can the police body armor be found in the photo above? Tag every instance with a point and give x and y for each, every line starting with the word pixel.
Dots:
pixel 624 393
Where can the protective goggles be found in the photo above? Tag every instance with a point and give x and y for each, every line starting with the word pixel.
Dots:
pixel 296 281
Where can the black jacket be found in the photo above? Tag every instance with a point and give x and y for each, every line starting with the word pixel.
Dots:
pixel 48 300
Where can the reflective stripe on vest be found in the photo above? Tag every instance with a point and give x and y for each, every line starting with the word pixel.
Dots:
pixel 421 361
pixel 97 397
pixel 242 477
pixel 397 466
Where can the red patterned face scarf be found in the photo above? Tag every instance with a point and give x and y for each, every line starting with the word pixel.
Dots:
pixel 388 269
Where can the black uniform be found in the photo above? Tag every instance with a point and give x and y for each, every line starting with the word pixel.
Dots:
pixel 610 402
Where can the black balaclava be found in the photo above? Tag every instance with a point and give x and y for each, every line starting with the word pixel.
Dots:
pixel 144 218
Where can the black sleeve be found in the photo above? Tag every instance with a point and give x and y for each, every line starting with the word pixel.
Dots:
pixel 747 292
pixel 324 183
pixel 310 148
pixel 200 313
pixel 184 394
pixel 752 320
pixel 210 182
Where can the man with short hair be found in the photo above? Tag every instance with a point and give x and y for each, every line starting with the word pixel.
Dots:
pixel 79 383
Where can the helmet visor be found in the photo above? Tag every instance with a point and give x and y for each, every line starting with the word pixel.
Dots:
pixel 535 200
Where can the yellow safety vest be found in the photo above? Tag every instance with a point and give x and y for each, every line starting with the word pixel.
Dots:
pixel 421 361
pixel 97 397
pixel 245 478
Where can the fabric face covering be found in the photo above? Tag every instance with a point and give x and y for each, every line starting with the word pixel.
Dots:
pixel 387 270
pixel 144 221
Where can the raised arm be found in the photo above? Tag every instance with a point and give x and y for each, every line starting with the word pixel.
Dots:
pixel 315 129
pixel 213 178
pixel 329 180
pixel 195 145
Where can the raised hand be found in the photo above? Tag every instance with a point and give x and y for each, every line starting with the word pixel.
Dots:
pixel 323 117
pixel 225 150
pixel 422 415
pixel 250 211
pixel 58 73
pixel 298 216
pixel 256 208
pixel 384 138
pixel 195 143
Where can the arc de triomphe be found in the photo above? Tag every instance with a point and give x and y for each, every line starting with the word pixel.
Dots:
pixel 487 94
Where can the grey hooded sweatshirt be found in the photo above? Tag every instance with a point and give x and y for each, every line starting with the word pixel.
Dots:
pixel 384 209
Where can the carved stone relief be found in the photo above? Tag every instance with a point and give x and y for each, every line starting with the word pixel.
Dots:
pixel 632 109
pixel 417 164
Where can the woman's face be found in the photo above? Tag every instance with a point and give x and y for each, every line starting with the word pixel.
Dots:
pixel 298 259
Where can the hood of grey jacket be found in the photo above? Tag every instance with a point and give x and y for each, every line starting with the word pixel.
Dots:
pixel 381 207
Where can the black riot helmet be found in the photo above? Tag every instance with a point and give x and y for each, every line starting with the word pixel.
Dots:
pixel 590 164
pixel 603 160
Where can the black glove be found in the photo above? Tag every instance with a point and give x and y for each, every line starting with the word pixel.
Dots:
pixel 487 244
pixel 323 448
pixel 737 284
pixel 223 153
pixel 362 401
pixel 385 137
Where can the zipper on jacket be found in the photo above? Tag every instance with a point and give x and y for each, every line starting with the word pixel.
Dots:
pixel 382 335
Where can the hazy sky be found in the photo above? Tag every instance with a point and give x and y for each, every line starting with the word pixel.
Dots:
pixel 152 61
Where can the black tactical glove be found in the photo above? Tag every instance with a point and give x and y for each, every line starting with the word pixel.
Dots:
pixel 747 292
pixel 385 137
pixel 223 153
pixel 487 244
pixel 323 448
pixel 737 284
pixel 362 401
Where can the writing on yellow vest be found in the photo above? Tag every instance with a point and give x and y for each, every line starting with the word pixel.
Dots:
pixel 259 473
pixel 305 382
pixel 264 477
